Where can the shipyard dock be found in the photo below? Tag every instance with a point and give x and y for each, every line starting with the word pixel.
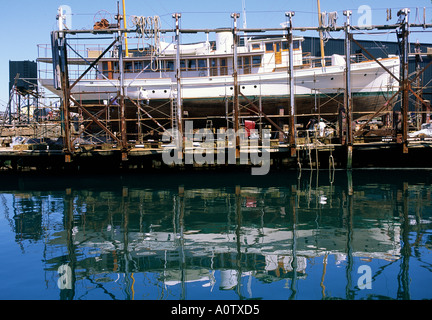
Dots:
pixel 312 156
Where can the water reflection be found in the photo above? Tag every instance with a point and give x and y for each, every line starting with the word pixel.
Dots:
pixel 227 236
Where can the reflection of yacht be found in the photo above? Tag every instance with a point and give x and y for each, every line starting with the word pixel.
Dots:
pixel 211 238
pixel 275 245
pixel 212 259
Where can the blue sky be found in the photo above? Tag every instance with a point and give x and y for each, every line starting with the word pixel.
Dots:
pixel 27 23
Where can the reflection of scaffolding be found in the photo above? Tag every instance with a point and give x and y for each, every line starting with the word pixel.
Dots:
pixel 129 240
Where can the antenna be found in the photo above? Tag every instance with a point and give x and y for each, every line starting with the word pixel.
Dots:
pixel 244 14
pixel 64 17
pixel 244 21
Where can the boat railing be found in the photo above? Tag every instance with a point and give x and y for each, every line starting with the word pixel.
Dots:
pixel 359 57
pixel 144 62
pixel 310 61
pixel 81 55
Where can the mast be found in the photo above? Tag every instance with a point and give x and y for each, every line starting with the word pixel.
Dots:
pixel 244 20
pixel 125 26
pixel 321 35
pixel 244 14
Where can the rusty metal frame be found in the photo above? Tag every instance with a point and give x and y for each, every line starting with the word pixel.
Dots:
pixel 405 85
pixel 260 113
pixel 96 120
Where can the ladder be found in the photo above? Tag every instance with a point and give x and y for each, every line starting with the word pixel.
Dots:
pixel 175 117
pixel 174 111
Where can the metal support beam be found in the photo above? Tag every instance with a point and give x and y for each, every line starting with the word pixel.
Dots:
pixel 404 32
pixel 380 109
pixel 247 30
pixel 93 64
pixel 179 108
pixel 96 120
pixel 235 16
pixel 147 114
pixel 348 93
pixel 64 76
pixel 292 129
pixel 123 128
pixel 259 112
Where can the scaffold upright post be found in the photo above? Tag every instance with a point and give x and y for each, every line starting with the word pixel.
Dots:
pixel 123 128
pixel 60 50
pixel 179 109
pixel 404 32
pixel 292 129
pixel 348 94
pixel 235 16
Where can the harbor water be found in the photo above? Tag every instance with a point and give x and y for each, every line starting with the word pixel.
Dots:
pixel 365 234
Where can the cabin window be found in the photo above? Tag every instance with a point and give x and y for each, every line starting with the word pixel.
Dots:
pixel 223 67
pixel 192 65
pixel 202 64
pixel 285 45
pixel 269 47
pixel 146 64
pixel 183 65
pixel 169 66
pixel 116 66
pixel 247 65
pixel 107 69
pixel 128 66
pixel 256 46
pixel 138 66
pixel 213 67
pixel 256 61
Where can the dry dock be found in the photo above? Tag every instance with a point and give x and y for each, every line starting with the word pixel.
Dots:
pixel 124 133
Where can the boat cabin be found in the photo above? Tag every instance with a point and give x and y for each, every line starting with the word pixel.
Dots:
pixel 206 59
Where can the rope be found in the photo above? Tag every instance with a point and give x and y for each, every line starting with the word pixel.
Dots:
pixel 332 19
pixel 148 28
